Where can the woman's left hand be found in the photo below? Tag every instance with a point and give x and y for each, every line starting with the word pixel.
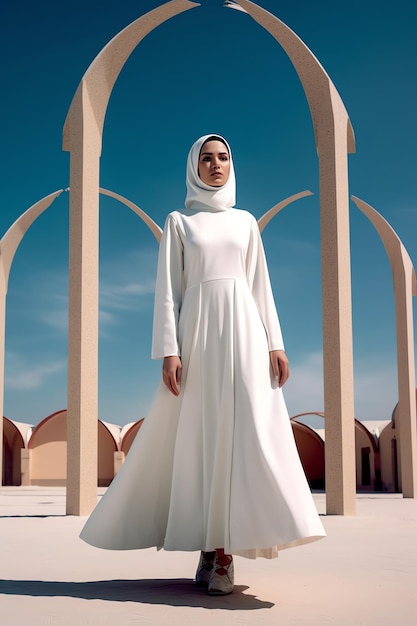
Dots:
pixel 280 366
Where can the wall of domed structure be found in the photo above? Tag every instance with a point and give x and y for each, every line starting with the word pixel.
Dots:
pixel 38 455
pixel 310 446
pixel 128 435
pixel 48 451
pixel 390 469
pixel 366 448
pixel 13 443
pixel 47 447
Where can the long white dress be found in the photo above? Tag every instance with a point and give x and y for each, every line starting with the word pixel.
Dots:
pixel 217 466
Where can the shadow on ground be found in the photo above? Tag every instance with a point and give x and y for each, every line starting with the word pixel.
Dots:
pixel 173 592
pixel 31 516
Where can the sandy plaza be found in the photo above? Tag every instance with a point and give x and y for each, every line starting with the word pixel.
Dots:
pixel 364 573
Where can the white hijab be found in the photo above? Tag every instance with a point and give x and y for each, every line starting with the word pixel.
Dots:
pixel 202 196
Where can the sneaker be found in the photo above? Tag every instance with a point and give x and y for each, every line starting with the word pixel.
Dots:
pixel 205 568
pixel 222 577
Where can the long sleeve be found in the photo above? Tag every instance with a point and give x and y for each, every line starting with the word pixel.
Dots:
pixel 168 292
pixel 260 285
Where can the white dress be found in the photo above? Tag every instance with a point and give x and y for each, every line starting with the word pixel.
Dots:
pixel 217 466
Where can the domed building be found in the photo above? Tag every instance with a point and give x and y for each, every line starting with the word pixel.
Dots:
pixel 37 455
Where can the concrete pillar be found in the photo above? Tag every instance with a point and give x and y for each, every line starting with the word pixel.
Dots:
pixel 82 415
pixel 82 136
pixel 406 411
pixel 8 246
pixel 337 317
pixel 334 140
pixel 405 286
pixel 329 115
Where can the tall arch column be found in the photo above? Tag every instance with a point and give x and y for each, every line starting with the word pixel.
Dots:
pixel 9 243
pixel 82 413
pixel 82 137
pixel 405 287
pixel 337 317
pixel 334 140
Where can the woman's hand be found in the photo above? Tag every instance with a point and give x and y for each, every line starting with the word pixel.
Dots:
pixel 171 373
pixel 280 366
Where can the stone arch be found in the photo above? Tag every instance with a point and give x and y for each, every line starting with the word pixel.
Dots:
pixel 82 138
pixel 334 140
pixel 405 287
pixel 269 215
pixel 8 248
pixel 153 226
pixel 9 243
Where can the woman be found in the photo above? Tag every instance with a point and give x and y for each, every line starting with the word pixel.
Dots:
pixel 214 467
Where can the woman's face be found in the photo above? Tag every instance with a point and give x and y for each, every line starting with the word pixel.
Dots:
pixel 214 164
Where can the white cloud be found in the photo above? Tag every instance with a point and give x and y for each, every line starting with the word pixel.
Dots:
pixel 375 388
pixel 304 390
pixel 106 318
pixel 137 289
pixel 127 280
pixel 115 293
pixel 124 297
pixel 57 319
pixel 376 391
pixel 22 376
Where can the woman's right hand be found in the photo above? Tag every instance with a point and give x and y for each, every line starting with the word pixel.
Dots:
pixel 171 373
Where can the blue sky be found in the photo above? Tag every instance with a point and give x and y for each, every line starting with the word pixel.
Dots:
pixel 208 70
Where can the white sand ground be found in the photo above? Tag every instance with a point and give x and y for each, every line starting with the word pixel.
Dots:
pixel 364 573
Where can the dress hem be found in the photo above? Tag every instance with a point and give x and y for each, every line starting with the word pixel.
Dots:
pixel 270 552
